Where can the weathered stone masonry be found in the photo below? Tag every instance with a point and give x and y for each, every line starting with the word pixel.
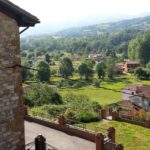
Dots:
pixel 11 105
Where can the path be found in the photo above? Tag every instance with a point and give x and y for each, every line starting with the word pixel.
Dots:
pixel 58 139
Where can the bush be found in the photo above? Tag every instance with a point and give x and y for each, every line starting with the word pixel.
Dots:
pixel 48 111
pixel 65 83
pixel 75 107
pixel 97 83
pixel 53 72
pixel 89 117
pixel 81 109
pixel 41 94
pixel 96 106
pixel 70 114
pixel 78 84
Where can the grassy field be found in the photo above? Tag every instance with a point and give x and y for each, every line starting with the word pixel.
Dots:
pixel 101 95
pixel 133 137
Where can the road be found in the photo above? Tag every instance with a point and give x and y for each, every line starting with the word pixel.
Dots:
pixel 60 140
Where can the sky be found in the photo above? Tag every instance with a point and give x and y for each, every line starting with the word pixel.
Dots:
pixel 68 12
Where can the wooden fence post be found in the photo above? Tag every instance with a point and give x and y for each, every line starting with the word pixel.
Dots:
pixel 62 120
pixel 99 141
pixel 111 134
pixel 147 124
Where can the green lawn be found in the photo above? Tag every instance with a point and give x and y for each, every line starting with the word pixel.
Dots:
pixel 133 137
pixel 101 95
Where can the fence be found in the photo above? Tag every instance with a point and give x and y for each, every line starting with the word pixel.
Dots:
pixel 120 116
pixel 103 141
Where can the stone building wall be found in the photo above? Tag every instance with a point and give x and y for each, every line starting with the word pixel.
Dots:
pixel 11 105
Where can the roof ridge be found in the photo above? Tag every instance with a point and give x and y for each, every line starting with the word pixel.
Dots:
pixel 8 5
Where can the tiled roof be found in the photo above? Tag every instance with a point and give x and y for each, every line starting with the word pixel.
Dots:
pixel 23 17
pixel 128 104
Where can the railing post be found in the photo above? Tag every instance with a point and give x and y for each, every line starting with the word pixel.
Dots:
pixel 119 147
pixel 62 120
pixel 40 143
pixel 111 134
pixel 115 115
pixel 147 124
pixel 99 141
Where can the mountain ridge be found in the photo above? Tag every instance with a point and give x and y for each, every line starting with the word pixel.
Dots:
pixel 140 23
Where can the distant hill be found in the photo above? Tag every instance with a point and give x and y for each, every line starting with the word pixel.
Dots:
pixel 140 24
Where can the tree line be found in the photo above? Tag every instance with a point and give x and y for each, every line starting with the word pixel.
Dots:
pixel 117 42
pixel 66 70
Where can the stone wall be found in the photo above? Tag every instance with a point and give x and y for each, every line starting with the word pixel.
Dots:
pixel 11 105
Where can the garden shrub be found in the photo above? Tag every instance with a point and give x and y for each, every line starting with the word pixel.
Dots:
pixel 41 94
pixel 96 106
pixel 89 117
pixel 79 107
pixel 78 84
pixel 48 111
pixel 75 107
pixel 96 83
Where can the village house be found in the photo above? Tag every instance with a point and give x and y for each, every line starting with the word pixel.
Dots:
pixel 130 66
pixel 96 57
pixel 139 95
pixel 11 103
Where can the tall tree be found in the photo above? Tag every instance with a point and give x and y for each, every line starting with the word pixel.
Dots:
pixel 47 58
pixel 85 70
pixel 110 67
pixel 66 67
pixel 100 69
pixel 90 63
pixel 43 73
pixel 139 49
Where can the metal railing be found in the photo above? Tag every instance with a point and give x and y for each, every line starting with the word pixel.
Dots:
pixel 31 146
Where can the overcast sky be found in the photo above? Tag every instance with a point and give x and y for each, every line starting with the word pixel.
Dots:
pixel 60 11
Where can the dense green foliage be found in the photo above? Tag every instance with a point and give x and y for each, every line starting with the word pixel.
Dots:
pixel 100 70
pixel 43 73
pixel 77 107
pixel 139 49
pixel 110 69
pixel 66 67
pixel 47 58
pixel 117 42
pixel 41 94
pixel 48 111
pixel 85 70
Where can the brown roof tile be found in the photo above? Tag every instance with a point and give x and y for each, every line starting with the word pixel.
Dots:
pixel 23 17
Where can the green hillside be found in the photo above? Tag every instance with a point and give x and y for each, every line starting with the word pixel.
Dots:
pixel 138 24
